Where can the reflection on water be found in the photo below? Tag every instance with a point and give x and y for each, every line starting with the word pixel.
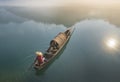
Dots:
pixel 67 15
pixel 112 43
pixel 87 57
pixel 18 43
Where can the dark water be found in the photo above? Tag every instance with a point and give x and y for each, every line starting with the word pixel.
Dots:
pixel 86 58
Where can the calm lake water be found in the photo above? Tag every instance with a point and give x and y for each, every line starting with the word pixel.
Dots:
pixel 91 55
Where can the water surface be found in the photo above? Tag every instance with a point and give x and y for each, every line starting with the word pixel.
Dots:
pixel 86 58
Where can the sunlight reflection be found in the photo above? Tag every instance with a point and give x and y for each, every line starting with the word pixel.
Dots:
pixel 111 43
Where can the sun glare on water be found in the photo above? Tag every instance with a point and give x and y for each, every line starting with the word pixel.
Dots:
pixel 111 43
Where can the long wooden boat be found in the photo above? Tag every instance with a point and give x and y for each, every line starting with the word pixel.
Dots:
pixel 58 42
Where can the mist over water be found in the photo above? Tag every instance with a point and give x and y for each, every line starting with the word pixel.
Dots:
pixel 66 15
pixel 86 57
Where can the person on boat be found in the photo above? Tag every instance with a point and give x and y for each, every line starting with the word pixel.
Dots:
pixel 40 59
pixel 53 46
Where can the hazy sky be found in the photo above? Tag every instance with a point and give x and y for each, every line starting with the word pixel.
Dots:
pixel 55 2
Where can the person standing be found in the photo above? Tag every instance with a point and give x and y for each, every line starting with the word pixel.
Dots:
pixel 40 59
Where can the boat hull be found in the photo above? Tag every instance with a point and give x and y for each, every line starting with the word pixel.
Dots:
pixel 49 59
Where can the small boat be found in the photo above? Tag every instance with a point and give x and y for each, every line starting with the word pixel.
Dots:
pixel 55 47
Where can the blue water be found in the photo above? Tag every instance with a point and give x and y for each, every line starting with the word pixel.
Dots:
pixel 86 57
